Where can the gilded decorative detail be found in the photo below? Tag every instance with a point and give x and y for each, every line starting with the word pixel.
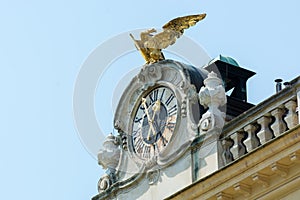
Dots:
pixel 150 45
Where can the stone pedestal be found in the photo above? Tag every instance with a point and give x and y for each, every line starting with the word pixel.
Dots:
pixel 206 148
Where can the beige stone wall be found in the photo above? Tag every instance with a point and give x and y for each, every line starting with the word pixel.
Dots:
pixel 295 195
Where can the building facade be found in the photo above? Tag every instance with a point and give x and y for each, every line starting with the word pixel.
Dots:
pixel 181 137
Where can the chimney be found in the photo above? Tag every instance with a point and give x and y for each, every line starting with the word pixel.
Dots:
pixel 278 85
pixel 234 78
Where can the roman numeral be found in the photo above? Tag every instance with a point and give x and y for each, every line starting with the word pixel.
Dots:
pixel 164 140
pixel 139 145
pixel 153 96
pixel 146 153
pixel 134 133
pixel 172 111
pixel 138 142
pixel 162 94
pixel 137 120
pixel 171 97
pixel 155 148
pixel 142 107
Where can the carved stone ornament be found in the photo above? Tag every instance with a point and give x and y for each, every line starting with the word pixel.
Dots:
pixel 149 75
pixel 104 183
pixel 119 126
pixel 109 155
pixel 151 163
pixel 212 96
pixel 192 94
pixel 153 133
pixel 153 176
pixel 108 158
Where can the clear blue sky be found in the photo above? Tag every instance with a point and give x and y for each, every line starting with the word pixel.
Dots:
pixel 44 43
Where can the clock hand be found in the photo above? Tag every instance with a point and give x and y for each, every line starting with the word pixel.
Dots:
pixel 145 106
pixel 148 117
pixel 155 108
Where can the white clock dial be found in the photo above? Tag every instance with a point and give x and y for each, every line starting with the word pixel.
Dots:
pixel 154 122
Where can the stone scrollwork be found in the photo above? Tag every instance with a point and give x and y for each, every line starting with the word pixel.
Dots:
pixel 119 126
pixel 182 85
pixel 153 176
pixel 192 94
pixel 108 158
pixel 205 124
pixel 104 183
pixel 212 96
pixel 151 163
pixel 150 74
pixel 171 75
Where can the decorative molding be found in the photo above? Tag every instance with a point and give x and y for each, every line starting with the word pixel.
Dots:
pixel 104 183
pixel 243 188
pixel 119 126
pixel 295 157
pixel 261 179
pixel 151 163
pixel 192 94
pixel 224 196
pixel 153 176
pixel 124 141
pixel 149 75
pixel 176 76
pixel 184 81
pixel 280 169
pixel 183 107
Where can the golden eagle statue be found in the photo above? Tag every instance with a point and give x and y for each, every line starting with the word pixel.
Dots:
pixel 150 45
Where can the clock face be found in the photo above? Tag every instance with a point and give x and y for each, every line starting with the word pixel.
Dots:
pixel 154 122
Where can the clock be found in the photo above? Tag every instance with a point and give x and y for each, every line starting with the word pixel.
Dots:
pixel 153 122
pixel 158 114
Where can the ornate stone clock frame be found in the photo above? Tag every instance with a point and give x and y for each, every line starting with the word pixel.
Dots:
pixel 185 82
pixel 192 87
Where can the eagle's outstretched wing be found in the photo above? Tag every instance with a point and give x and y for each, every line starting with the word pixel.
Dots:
pixel 172 30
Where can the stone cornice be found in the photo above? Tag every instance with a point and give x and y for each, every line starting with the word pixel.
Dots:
pixel 253 175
